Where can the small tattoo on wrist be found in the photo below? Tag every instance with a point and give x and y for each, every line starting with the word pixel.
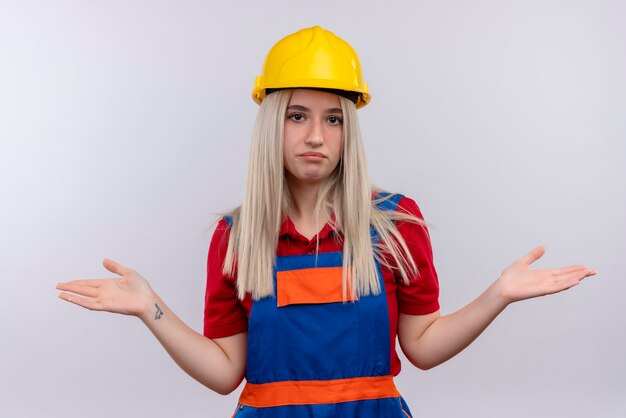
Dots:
pixel 159 312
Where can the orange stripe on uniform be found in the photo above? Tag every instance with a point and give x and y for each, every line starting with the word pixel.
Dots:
pixel 313 285
pixel 312 392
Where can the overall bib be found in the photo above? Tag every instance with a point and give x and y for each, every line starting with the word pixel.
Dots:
pixel 311 355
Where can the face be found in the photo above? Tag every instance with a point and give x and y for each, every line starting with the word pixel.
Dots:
pixel 313 136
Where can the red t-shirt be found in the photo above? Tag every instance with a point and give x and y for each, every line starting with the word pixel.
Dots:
pixel 226 315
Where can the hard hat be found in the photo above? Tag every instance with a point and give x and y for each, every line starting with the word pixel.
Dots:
pixel 313 58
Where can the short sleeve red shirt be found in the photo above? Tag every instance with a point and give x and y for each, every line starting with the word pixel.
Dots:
pixel 226 315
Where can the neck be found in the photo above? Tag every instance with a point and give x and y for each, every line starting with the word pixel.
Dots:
pixel 304 198
pixel 302 213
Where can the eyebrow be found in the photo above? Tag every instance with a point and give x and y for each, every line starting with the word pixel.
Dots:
pixel 306 109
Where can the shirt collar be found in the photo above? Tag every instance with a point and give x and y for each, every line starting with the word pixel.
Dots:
pixel 288 228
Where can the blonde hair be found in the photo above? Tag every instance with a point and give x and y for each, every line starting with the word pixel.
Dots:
pixel 347 193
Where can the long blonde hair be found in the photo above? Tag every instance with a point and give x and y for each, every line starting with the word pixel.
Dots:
pixel 347 193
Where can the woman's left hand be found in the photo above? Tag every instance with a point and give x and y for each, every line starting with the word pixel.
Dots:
pixel 518 282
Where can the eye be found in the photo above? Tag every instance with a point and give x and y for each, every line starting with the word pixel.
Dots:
pixel 335 120
pixel 296 117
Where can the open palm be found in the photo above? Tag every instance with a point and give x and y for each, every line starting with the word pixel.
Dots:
pixel 519 282
pixel 128 295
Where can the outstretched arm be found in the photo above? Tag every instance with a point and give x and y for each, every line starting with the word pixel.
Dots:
pixel 219 363
pixel 429 340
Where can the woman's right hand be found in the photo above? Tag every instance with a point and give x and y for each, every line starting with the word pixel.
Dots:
pixel 219 363
pixel 130 294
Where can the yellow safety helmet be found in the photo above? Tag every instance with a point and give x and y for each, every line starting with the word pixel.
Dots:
pixel 313 58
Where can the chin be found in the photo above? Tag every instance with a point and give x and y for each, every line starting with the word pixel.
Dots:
pixel 309 177
pixel 312 179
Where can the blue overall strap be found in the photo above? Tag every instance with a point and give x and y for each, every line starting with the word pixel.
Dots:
pixel 389 202
pixel 229 220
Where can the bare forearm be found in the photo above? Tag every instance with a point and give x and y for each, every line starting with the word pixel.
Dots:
pixel 218 364
pixel 448 335
pixel 429 340
pixel 200 357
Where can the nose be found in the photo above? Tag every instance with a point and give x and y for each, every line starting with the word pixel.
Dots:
pixel 315 136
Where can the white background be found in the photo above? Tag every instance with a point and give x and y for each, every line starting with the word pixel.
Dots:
pixel 124 129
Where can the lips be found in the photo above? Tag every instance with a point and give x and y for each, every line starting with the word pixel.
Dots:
pixel 313 154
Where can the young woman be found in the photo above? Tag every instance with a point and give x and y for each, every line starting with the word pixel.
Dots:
pixel 312 278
